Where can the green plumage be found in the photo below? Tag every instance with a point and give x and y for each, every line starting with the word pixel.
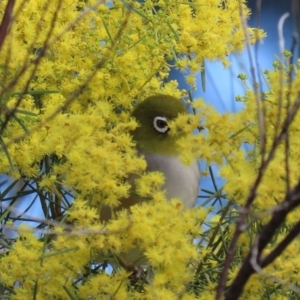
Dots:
pixel 148 139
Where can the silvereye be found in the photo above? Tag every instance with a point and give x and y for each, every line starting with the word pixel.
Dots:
pixel 161 152
pixel 159 147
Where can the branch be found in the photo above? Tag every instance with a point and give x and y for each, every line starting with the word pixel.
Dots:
pixel 291 201
pixel 241 223
pixel 4 27
pixel 11 113
pixel 74 96
pixel 281 246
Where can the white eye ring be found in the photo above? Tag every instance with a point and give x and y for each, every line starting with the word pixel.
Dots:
pixel 161 124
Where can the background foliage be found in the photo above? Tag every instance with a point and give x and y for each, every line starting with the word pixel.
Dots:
pixel 70 73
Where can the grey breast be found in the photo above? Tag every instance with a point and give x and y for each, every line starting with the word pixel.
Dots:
pixel 182 181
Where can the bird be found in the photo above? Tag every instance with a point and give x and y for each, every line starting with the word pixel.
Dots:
pixel 155 142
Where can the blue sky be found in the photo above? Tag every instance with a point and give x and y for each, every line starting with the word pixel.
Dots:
pixel 222 84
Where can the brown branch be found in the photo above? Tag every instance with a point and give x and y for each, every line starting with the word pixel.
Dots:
pixel 35 62
pixel 27 61
pixel 281 97
pixel 74 96
pixel 252 195
pixel 264 163
pixel 6 21
pixel 241 225
pixel 293 233
pixel 281 70
pixel 50 43
pixel 291 201
pixel 12 112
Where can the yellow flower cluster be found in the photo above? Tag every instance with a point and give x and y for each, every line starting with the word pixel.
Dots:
pixel 274 184
pixel 72 71
pixel 233 141
pixel 53 271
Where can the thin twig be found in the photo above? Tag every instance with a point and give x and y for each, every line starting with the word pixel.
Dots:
pixel 69 230
pixel 259 107
pixel 6 21
pixel 281 49
pixel 12 112
pixel 258 269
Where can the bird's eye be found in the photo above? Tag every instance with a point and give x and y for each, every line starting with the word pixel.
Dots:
pixel 161 124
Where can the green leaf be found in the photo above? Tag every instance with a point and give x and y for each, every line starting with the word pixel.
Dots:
pixel 21 123
pixel 6 152
pixel 69 293
pixel 26 112
pixel 35 92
